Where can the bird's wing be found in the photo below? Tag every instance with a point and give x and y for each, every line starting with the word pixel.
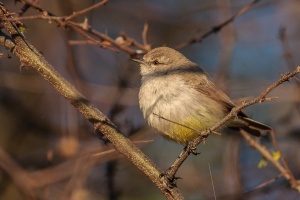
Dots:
pixel 203 84
pixel 200 81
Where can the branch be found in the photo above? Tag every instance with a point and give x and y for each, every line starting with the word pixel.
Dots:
pixel 267 155
pixel 190 148
pixel 217 28
pixel 29 56
pixel 97 5
pixel 83 28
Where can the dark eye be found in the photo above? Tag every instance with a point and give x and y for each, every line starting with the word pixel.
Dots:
pixel 155 62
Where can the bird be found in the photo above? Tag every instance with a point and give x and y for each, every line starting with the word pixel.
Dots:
pixel 179 99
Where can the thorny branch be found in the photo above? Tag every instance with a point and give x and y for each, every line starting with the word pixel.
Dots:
pixel 170 173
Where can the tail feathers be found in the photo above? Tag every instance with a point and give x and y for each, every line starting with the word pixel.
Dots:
pixel 250 126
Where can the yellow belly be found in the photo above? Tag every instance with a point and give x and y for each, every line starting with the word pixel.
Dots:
pixel 189 128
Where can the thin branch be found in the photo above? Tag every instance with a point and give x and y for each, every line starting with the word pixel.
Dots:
pixel 212 182
pixel 76 14
pixel 144 36
pixel 272 180
pixel 35 6
pixel 194 143
pixel 291 64
pixel 84 27
pixel 103 37
pixel 135 43
pixel 267 155
pixel 290 61
pixel 89 38
pixel 217 28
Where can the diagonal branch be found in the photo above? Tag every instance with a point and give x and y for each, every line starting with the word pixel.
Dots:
pixel 170 173
pixel 29 56
pixel 267 155
pixel 97 5
pixel 217 28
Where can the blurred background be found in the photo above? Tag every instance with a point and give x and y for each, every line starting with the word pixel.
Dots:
pixel 49 151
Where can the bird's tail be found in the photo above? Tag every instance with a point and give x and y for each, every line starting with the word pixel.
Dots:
pixel 250 126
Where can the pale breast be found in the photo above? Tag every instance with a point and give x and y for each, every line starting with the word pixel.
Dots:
pixel 170 105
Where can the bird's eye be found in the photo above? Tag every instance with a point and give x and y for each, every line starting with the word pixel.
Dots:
pixel 155 62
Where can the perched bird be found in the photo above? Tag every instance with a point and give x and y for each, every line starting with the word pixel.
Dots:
pixel 179 99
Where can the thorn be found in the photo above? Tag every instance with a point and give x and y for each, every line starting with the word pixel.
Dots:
pixel 22 66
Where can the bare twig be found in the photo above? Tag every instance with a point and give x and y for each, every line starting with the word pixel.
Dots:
pixel 82 28
pixel 19 176
pixel 76 14
pixel 290 61
pixel 4 56
pixel 267 155
pixel 272 180
pixel 144 36
pixel 34 5
pixel 217 28
pixel 25 8
pixel 287 50
pixel 212 182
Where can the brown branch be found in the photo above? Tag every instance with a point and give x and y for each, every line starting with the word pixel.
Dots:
pixel 24 9
pixel 275 144
pixel 94 41
pixel 217 28
pixel 267 155
pixel 110 40
pixel 134 42
pixel 290 61
pixel 18 175
pixel 194 143
pixel 76 14
pixel 35 6
pixel 272 180
pixel 144 36
pixel 82 28
pixel 31 57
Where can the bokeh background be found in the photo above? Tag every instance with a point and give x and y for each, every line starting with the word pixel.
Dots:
pixel 49 151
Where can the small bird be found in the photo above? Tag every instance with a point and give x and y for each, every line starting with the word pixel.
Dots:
pixel 179 99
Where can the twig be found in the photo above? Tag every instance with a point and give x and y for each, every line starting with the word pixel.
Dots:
pixel 290 61
pixel 19 176
pixel 212 182
pixel 287 51
pixel 272 180
pixel 4 56
pixel 144 36
pixel 134 42
pixel 89 38
pixel 267 155
pixel 24 9
pixel 84 27
pixel 76 14
pixel 34 5
pixel 103 37
pixel 217 28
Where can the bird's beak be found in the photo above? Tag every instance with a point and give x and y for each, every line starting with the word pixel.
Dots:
pixel 138 60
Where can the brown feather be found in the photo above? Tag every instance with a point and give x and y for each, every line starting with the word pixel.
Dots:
pixel 197 78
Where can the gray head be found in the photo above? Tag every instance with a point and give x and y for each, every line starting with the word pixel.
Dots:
pixel 163 60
